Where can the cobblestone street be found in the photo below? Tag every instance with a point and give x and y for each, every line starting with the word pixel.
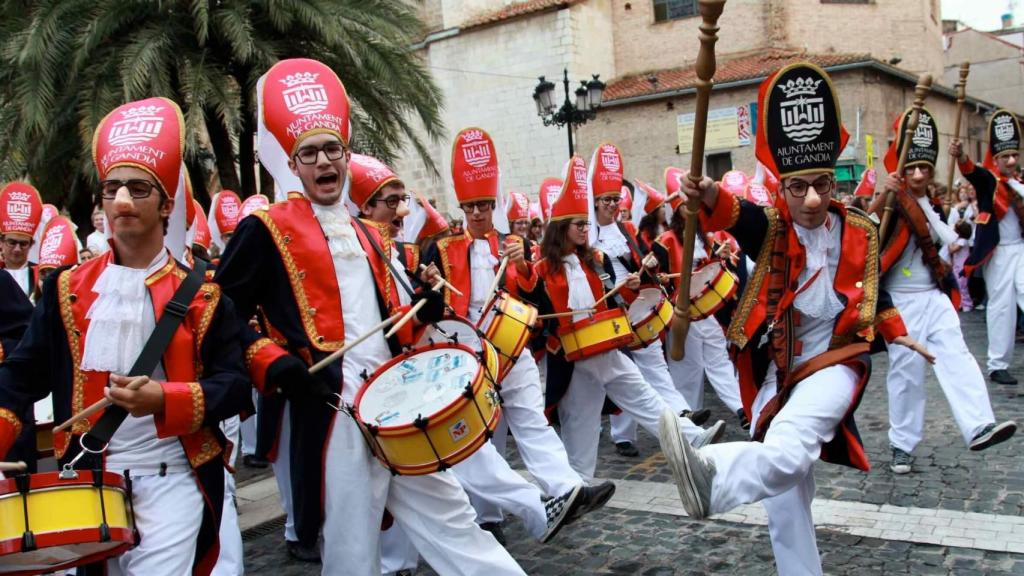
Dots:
pixel 958 512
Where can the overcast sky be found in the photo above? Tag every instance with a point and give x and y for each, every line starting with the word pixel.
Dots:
pixel 982 14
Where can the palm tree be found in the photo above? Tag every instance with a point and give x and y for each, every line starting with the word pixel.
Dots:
pixel 65 63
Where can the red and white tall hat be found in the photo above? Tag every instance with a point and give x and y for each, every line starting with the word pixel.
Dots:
pixel 604 178
pixel 225 212
pixel 367 176
pixel 518 207
pixel 535 211
pixel 674 186
pixel 252 204
pixel 423 221
pixel 59 246
pixel 475 173
pixel 646 199
pixel 574 200
pixel 866 186
pixel 550 190
pixel 297 98
pixel 200 227
pixel 49 212
pixel 147 134
pixel 627 199
pixel 21 210
pixel 735 182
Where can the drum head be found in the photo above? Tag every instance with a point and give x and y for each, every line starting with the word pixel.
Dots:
pixel 445 331
pixel 704 277
pixel 421 384
pixel 645 304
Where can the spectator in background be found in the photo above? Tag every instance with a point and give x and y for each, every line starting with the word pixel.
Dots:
pixel 96 242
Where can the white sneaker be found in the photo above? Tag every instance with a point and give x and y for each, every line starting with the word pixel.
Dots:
pixel 711 435
pixel 691 471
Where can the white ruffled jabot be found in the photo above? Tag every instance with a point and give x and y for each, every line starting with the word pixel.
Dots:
pixel 337 226
pixel 481 267
pixel 580 296
pixel 611 241
pixel 119 319
pixel 817 299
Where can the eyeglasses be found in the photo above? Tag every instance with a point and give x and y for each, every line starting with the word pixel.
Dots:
pixel 482 206
pixel 609 199
pixel 332 150
pixel 12 243
pixel 581 225
pixel 137 188
pixel 391 202
pixel 822 185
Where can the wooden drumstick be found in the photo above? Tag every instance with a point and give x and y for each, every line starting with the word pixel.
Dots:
pixel 961 95
pixel 446 283
pixel 412 312
pixel 564 314
pixel 341 352
pixel 710 11
pixel 18 466
pixel 612 292
pixel 924 84
pixel 494 285
pixel 97 406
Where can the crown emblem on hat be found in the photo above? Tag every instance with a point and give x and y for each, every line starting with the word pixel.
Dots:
pixel 293 80
pixel 1003 127
pixel 800 87
pixel 141 112
pixel 471 135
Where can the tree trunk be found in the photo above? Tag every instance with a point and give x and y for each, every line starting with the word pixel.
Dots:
pixel 222 149
pixel 246 138
pixel 198 177
pixel 266 183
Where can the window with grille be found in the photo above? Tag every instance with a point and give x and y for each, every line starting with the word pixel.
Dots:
pixel 673 9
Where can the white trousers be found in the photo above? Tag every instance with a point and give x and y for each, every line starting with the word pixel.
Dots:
pixel 614 374
pixel 1004 282
pixel 230 562
pixel 932 321
pixel 432 510
pixel 248 431
pixel 168 513
pixel 777 471
pixel 397 551
pixel 706 354
pixel 283 472
pixel 651 362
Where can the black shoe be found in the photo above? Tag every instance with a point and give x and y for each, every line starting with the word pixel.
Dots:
pixel 560 509
pixel 626 449
pixel 592 498
pixel 302 553
pixel 698 417
pixel 1002 377
pixel 405 572
pixel 744 422
pixel 254 461
pixel 495 529
pixel 902 462
pixel 993 434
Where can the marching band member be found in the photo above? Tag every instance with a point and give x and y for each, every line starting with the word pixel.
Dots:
pixel 706 354
pixel 15 313
pixel 802 326
pixel 321 291
pixel 21 212
pixel 998 245
pixel 469 261
pixel 568 280
pixel 924 291
pixel 93 321
pixel 617 241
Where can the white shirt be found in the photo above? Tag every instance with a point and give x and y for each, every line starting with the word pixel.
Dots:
pixel 481 267
pixel 1009 226
pixel 97 242
pixel 21 277
pixel 816 333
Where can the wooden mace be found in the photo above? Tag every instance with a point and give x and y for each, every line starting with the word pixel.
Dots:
pixel 710 10
pixel 961 95
pixel 924 84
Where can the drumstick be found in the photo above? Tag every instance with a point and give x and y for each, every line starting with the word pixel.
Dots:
pixel 612 292
pixel 673 275
pixel 18 466
pixel 338 353
pixel 97 406
pixel 494 284
pixel 563 314
pixel 446 283
pixel 412 312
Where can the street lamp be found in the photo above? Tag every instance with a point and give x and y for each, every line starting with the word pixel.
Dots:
pixel 588 101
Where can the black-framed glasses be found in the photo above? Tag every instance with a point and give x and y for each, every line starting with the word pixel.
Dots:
pixel 137 188
pixel 12 243
pixel 482 206
pixel 609 199
pixel 822 185
pixel 582 225
pixel 391 202
pixel 308 154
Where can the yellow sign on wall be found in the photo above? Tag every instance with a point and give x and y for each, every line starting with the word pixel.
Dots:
pixel 723 130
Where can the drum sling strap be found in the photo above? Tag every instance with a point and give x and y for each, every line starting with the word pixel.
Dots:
pixel 174 313
pixel 398 276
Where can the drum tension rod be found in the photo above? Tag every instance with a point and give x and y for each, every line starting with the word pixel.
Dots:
pixel 97 482
pixel 423 423
pixel 468 394
pixel 28 539
pixel 136 536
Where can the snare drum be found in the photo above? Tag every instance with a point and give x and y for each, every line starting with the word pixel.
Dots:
pixel 711 286
pixel 459 330
pixel 430 408
pixel 72 522
pixel 593 335
pixel 507 325
pixel 649 315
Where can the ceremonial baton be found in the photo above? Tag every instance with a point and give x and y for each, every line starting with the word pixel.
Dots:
pixel 710 10
pixel 924 84
pixel 961 95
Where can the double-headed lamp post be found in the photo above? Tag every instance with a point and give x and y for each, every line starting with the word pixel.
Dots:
pixel 588 100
